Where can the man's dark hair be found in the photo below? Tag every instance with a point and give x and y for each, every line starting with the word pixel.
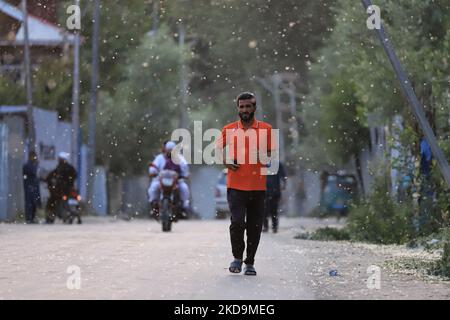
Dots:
pixel 245 96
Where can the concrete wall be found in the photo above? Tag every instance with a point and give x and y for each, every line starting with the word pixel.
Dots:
pixel 100 197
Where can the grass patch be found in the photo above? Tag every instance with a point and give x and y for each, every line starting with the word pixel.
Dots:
pixel 325 234
pixel 443 266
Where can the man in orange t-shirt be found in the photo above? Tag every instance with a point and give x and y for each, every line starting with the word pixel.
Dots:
pixel 249 143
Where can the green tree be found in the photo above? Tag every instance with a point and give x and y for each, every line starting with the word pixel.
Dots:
pixel 11 93
pixel 342 124
pixel 236 41
pixel 419 31
pixel 145 109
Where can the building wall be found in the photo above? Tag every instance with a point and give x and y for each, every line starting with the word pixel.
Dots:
pixel 100 197
pixel 3 170
pixel 15 160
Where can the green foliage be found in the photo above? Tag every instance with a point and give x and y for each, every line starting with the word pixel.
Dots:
pixel 145 108
pixel 122 26
pixel 439 241
pixel 379 219
pixel 53 87
pixel 11 93
pixel 342 123
pixel 444 265
pixel 227 44
pixel 438 213
pixel 237 40
pixel 330 234
pixel 419 32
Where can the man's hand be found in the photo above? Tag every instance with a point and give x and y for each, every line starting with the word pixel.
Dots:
pixel 232 167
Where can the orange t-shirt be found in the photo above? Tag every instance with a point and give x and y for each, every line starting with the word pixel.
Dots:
pixel 247 154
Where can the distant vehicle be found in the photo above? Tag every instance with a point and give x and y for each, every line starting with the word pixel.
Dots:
pixel 170 202
pixel 339 191
pixel 221 208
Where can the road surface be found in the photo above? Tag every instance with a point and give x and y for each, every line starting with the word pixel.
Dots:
pixel 107 258
pixel 135 260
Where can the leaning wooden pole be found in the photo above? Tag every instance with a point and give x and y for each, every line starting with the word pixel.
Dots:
pixel 416 106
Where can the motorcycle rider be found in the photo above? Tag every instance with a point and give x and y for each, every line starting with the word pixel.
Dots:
pixel 164 161
pixel 60 181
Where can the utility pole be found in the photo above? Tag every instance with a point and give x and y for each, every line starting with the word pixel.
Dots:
pixel 183 78
pixel 414 103
pixel 274 88
pixel 293 121
pixel 155 17
pixel 259 107
pixel 298 173
pixel 276 82
pixel 75 97
pixel 94 98
pixel 28 84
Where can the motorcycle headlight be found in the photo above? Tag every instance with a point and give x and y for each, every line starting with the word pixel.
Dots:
pixel 167 182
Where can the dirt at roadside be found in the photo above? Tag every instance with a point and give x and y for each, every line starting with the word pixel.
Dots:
pixel 402 270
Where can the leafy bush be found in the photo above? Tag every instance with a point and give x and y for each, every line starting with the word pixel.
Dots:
pixel 381 220
pixel 443 267
pixel 11 93
pixel 330 234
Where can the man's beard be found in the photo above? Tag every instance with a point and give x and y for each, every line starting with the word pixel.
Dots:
pixel 247 117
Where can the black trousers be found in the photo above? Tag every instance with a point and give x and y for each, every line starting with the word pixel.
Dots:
pixel 32 202
pixel 30 207
pixel 247 213
pixel 272 202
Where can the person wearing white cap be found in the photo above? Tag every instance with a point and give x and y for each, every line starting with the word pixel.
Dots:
pixel 64 156
pixel 164 161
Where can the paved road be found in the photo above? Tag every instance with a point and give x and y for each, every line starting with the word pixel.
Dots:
pixel 135 260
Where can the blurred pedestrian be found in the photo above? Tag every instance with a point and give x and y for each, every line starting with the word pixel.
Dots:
pixel 276 183
pixel 31 187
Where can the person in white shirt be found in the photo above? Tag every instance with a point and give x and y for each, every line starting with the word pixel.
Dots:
pixel 164 161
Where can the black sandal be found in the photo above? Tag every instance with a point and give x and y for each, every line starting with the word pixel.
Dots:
pixel 249 270
pixel 235 266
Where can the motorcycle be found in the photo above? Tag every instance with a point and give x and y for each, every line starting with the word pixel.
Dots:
pixel 170 202
pixel 66 207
